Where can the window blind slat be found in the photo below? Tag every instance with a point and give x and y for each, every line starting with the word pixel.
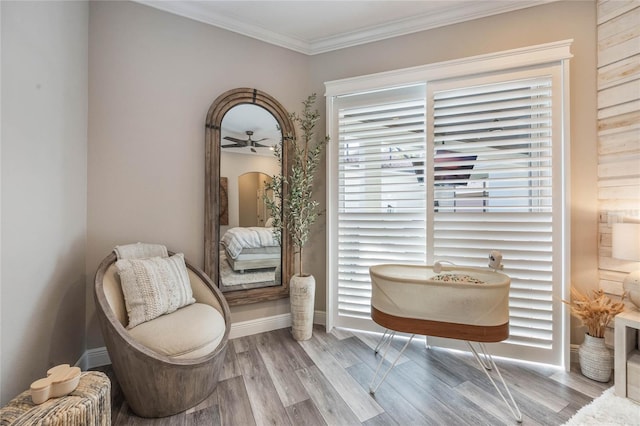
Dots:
pixel 472 136
pixel 504 86
pixel 487 95
pixel 490 115
pixel 492 124
pixel 491 107
pixel 381 108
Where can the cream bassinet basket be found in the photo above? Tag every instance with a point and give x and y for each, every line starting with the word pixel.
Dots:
pixel 470 304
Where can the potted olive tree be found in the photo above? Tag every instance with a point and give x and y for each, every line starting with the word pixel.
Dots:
pixel 299 209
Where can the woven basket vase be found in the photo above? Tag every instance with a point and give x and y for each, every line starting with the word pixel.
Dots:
pixel 595 359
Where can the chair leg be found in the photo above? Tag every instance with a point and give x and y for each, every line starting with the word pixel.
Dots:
pixel 489 364
pixel 372 389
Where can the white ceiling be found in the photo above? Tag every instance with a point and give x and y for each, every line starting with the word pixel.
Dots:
pixel 313 27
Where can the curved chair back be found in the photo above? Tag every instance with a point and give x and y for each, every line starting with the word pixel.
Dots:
pixel 154 384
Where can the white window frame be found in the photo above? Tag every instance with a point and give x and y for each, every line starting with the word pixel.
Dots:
pixel 517 59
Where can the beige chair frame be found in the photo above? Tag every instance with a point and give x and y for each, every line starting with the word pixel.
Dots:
pixel 155 385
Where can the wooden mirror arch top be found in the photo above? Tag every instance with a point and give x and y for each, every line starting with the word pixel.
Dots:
pixel 213 130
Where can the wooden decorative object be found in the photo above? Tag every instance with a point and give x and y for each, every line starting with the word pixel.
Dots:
pixel 155 385
pixel 213 201
pixel 60 381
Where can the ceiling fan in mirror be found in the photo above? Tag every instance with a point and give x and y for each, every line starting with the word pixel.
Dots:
pixel 248 143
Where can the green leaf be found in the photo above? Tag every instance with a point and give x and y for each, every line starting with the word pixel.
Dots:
pixel 298 210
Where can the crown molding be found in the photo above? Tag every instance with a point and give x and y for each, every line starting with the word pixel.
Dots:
pixel 414 24
pixel 199 11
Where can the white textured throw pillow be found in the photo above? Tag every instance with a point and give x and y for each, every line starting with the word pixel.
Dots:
pixel 154 286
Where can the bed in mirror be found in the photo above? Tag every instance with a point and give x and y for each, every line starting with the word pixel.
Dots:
pixel 242 255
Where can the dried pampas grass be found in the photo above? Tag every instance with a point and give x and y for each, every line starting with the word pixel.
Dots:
pixel 596 311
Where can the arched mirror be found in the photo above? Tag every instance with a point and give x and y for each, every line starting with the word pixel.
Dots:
pixel 243 127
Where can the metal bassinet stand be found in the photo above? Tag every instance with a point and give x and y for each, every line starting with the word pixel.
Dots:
pixel 486 363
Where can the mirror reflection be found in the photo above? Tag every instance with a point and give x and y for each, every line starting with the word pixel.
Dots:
pixel 249 255
pixel 252 192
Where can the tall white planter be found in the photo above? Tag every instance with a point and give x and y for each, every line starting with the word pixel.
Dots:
pixel 302 292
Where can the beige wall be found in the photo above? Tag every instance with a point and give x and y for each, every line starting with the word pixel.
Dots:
pixel 152 79
pixel 153 76
pixel 44 143
pixel 543 24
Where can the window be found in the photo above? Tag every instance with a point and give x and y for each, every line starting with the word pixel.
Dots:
pixel 452 168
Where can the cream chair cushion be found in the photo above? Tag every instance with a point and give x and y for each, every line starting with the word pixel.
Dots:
pixel 189 332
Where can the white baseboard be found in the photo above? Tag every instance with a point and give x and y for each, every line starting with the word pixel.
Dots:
pixel 92 358
pixel 99 356
pixel 261 325
pixel 320 317
pixel 573 353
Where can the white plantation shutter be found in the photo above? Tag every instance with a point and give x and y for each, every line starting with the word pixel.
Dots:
pixel 493 188
pixel 381 192
pixel 492 177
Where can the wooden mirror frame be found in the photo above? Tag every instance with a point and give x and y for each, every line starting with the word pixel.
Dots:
pixel 216 113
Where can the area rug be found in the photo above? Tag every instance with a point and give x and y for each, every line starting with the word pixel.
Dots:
pixel 607 410
pixel 249 279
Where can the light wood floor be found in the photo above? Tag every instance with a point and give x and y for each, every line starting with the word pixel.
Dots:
pixel 271 379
